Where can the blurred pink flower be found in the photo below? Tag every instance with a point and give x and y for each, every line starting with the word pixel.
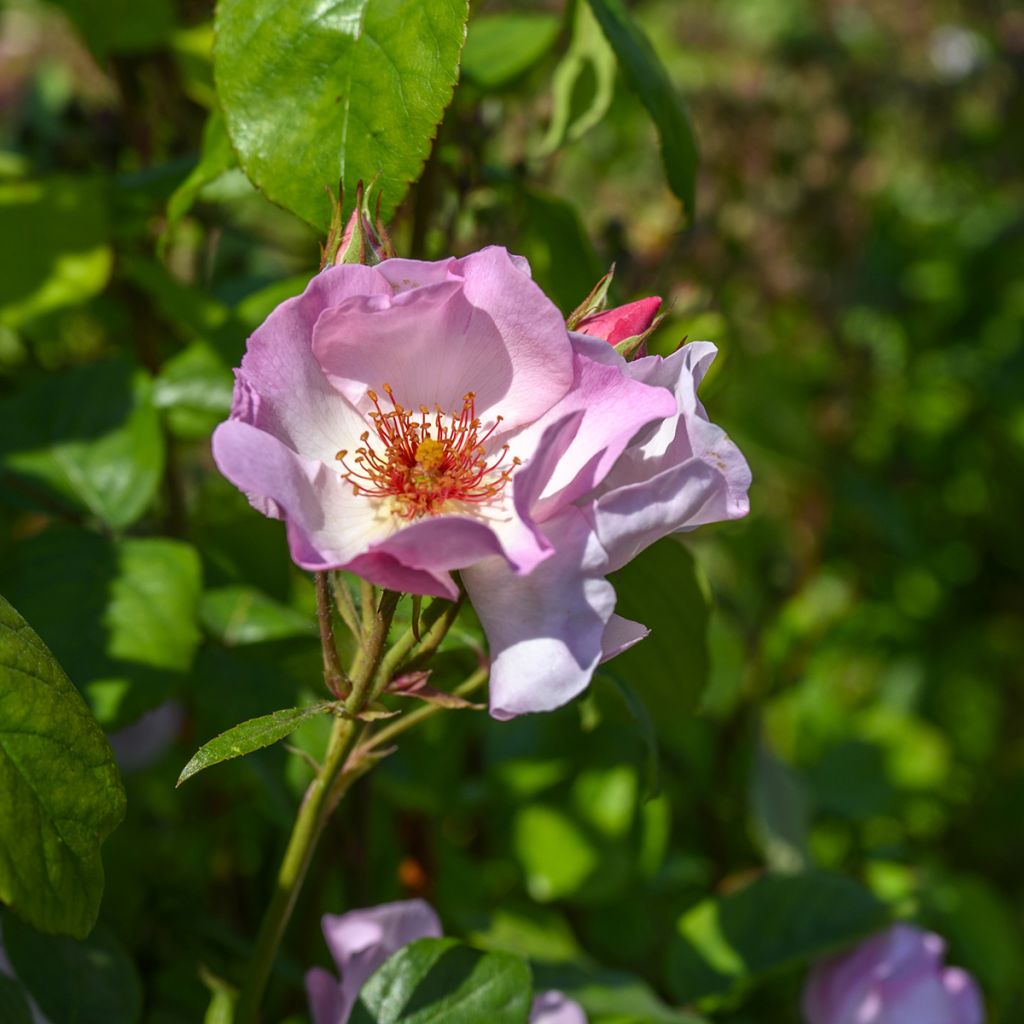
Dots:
pixel 622 322
pixel 412 419
pixel 897 977
pixel 362 940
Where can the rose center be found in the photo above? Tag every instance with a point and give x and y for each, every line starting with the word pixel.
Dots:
pixel 426 462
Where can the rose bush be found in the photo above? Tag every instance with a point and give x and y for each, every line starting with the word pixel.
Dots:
pixel 413 419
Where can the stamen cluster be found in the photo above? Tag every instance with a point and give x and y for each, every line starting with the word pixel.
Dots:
pixel 430 462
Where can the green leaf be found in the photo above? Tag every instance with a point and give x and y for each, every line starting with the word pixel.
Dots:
pixel 61 792
pixel 252 735
pixel 314 94
pixel 722 943
pixel 119 615
pixel 91 436
pixel 13 1007
pixel 583 85
pixel 245 615
pixel 501 47
pixel 66 258
pixel 648 78
pixel 88 982
pixel 668 669
pixel 603 993
pixel 193 390
pixel 435 980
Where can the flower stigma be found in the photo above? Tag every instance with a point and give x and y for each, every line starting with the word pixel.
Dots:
pixel 427 462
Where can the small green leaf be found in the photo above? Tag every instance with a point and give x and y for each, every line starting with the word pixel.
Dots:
pixel 435 980
pixel 583 85
pixel 252 735
pixel 193 391
pixel 92 981
pixel 61 792
pixel 501 47
pixel 648 78
pixel 557 854
pixel 669 669
pixel 244 615
pixel 313 93
pixel 67 260
pixel 91 436
pixel 779 807
pixel 722 943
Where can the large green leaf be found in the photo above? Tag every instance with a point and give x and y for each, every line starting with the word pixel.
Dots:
pixel 60 792
pixel 193 391
pixel 777 921
pixel 314 93
pixel 87 982
pixel 119 615
pixel 647 76
pixel 668 669
pixel 68 259
pixel 249 736
pixel 90 436
pixel 437 980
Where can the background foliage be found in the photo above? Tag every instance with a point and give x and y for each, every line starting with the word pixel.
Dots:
pixel 824 729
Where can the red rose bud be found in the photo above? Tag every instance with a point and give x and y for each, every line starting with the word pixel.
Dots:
pixel 626 328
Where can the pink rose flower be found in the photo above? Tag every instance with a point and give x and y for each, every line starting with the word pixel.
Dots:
pixel 362 940
pixel 897 977
pixel 411 419
pixel 615 325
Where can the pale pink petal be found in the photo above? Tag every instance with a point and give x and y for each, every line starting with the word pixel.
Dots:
pixel 328 526
pixel 620 634
pixel 326 1003
pixel 629 519
pixel 386 571
pixel 622 322
pixel 493 333
pixel 544 630
pixel 964 996
pixel 280 386
pixel 613 406
pixel 556 1008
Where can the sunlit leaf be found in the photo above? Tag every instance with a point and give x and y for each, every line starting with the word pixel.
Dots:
pixel 354 90
pixel 249 736
pixel 500 47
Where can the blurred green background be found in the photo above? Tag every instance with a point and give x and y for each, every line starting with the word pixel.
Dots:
pixel 834 684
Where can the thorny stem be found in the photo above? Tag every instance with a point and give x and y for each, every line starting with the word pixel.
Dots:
pixel 320 800
pixel 334 675
pixel 411 650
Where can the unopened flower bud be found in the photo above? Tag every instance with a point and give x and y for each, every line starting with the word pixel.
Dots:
pixel 626 327
pixel 364 239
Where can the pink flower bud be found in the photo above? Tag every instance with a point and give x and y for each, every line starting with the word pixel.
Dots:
pixel 615 325
pixel 897 977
